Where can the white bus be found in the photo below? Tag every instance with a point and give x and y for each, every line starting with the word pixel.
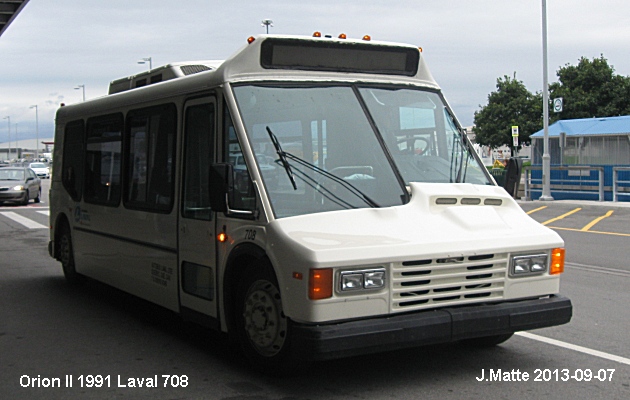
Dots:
pixel 313 197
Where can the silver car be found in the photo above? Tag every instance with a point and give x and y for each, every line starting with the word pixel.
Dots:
pixel 19 184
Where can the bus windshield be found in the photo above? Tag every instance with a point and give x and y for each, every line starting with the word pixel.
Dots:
pixel 317 149
pixel 422 136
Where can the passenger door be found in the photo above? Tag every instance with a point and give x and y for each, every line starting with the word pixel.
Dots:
pixel 197 244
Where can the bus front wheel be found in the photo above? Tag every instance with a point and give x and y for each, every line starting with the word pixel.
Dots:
pixel 262 328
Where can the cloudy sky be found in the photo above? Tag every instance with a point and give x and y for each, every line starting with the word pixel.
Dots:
pixel 54 46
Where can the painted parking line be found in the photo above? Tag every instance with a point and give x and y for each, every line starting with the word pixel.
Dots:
pixel 598 269
pixel 536 209
pixel 595 221
pixel 562 216
pixel 581 349
pixel 29 223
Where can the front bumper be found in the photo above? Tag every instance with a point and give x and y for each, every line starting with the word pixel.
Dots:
pixel 320 342
pixel 13 195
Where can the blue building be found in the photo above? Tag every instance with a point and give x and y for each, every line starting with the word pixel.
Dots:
pixel 592 142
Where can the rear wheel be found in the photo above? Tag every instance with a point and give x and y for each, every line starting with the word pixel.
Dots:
pixel 262 328
pixel 39 196
pixel 66 255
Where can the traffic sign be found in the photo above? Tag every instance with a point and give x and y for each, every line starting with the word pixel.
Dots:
pixel 557 104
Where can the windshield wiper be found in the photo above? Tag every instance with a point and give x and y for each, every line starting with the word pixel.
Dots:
pixel 283 160
pixel 282 157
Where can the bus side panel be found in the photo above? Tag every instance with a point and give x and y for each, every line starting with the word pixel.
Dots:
pixel 132 251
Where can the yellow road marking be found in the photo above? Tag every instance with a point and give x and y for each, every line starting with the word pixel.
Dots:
pixel 536 209
pixel 596 220
pixel 562 216
pixel 598 232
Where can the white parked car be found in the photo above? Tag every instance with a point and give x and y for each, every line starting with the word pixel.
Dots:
pixel 40 169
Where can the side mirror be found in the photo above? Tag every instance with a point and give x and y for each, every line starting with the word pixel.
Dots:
pixel 513 176
pixel 221 186
pixel 222 191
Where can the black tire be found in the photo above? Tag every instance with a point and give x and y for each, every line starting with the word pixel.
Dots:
pixel 262 329
pixel 66 255
pixel 27 197
pixel 39 196
pixel 487 341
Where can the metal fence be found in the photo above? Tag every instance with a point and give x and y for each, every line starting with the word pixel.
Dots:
pixel 574 179
pixel 621 182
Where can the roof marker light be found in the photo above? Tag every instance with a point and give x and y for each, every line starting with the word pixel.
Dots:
pixel 367 38
pixel 343 36
pixel 250 40
pixel 317 34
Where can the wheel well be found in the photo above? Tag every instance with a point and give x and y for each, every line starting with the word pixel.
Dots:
pixel 238 261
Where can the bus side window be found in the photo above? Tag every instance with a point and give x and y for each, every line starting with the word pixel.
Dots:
pixel 103 156
pixel 149 155
pixel 72 162
pixel 198 156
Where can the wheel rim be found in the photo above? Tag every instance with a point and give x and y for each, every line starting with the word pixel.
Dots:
pixel 64 250
pixel 265 323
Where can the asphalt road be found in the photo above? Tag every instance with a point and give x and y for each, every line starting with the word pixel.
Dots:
pixel 103 341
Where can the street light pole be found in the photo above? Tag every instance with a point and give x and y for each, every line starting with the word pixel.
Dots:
pixel 546 158
pixel 267 23
pixel 81 87
pixel 36 132
pixel 9 126
pixel 147 60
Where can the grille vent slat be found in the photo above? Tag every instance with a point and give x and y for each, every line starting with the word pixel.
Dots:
pixel 421 284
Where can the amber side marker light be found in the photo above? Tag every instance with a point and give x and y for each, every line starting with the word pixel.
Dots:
pixel 320 284
pixel 557 261
pixel 222 237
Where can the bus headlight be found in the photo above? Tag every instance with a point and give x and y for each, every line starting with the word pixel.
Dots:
pixel 362 280
pixel 528 265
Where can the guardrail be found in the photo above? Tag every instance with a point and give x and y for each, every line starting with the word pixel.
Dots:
pixel 616 181
pixel 571 184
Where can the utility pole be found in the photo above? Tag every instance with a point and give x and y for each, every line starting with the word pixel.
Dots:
pixel 9 126
pixel 546 158
pixel 36 132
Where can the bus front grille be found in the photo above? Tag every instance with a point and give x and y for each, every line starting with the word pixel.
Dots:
pixel 440 282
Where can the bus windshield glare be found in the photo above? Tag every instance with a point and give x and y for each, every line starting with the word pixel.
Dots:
pixel 422 137
pixel 317 149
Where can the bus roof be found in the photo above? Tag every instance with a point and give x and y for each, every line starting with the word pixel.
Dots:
pixel 279 58
pixel 289 57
